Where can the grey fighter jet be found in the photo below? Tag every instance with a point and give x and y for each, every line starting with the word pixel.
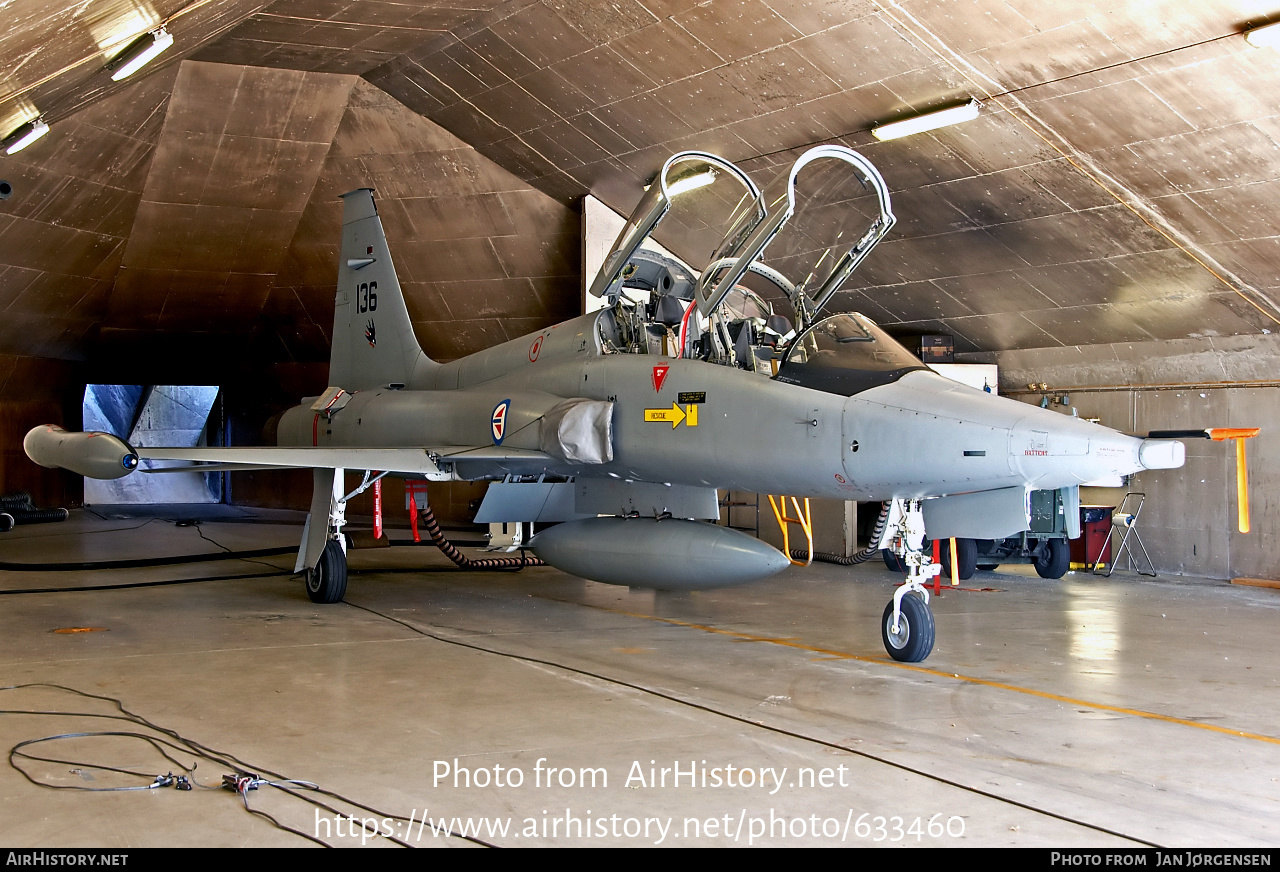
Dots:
pixel 710 366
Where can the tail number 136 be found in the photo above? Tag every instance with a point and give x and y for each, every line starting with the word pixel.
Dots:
pixel 367 297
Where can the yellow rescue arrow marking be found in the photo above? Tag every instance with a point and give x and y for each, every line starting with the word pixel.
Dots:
pixel 689 414
pixel 674 415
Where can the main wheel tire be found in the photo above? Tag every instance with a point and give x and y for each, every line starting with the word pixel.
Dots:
pixel 1056 563
pixel 966 554
pixel 327 580
pixel 914 639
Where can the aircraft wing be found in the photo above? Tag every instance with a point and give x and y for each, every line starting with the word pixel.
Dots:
pixel 419 461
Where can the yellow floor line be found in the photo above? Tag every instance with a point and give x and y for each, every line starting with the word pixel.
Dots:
pixel 954 676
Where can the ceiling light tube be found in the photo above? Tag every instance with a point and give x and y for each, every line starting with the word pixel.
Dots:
pixel 928 121
pixel 25 135
pixel 140 53
pixel 1267 36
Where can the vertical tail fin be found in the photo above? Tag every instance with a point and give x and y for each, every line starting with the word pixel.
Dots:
pixel 373 341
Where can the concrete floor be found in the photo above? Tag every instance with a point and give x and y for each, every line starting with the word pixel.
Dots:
pixel 1080 713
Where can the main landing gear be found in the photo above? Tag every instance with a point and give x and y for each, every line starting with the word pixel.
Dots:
pixel 907 627
pixel 322 559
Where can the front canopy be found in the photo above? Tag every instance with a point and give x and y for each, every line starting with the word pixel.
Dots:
pixel 692 199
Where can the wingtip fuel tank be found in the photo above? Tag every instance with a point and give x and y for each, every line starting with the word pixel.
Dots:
pixel 95 455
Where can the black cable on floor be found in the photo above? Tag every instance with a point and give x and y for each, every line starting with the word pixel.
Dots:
pixel 242 555
pixel 143 562
pixel 247 777
pixel 279 573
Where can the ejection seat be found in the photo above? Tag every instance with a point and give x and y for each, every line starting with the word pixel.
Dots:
pixel 667 314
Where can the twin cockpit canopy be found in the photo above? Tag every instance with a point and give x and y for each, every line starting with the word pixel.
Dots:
pixel 790 245
pixel 792 235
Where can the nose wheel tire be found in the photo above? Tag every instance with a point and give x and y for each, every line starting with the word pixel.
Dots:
pixel 913 640
pixel 327 580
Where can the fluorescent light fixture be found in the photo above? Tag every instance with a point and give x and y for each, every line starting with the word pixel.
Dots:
pixel 140 53
pixel 688 183
pixel 1267 36
pixel 114 25
pixel 25 135
pixel 928 121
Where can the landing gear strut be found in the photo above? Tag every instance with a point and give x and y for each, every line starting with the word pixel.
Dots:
pixel 907 627
pixel 323 556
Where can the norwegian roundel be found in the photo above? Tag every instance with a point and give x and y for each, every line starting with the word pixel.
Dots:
pixel 498 423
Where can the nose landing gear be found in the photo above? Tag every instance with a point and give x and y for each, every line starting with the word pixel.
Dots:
pixel 907 627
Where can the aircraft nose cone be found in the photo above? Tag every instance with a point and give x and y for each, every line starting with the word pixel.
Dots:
pixel 1162 454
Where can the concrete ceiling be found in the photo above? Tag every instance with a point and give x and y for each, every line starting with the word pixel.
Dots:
pixel 1121 184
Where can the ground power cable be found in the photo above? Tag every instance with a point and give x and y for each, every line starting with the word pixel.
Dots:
pixel 861 557
pixel 433 530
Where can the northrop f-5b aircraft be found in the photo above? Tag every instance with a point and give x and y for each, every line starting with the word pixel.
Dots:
pixel 711 366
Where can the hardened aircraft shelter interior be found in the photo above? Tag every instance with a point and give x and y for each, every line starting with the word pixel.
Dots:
pixel 1100 229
